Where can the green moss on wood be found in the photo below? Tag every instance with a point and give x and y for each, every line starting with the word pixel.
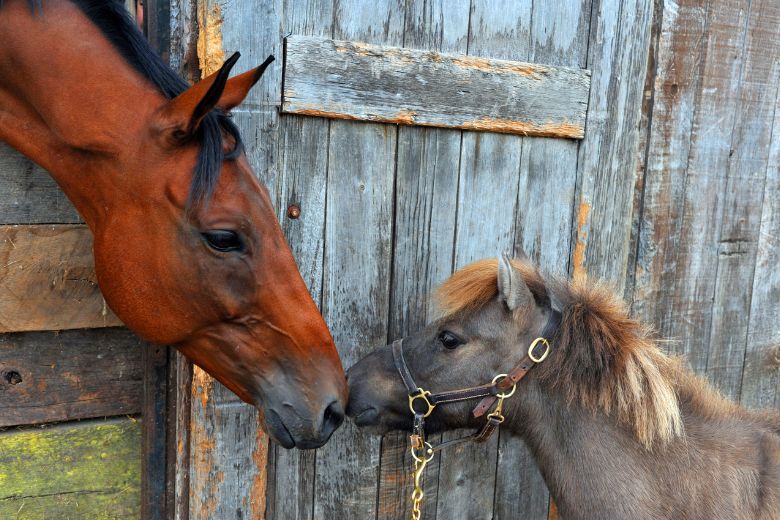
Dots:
pixel 81 470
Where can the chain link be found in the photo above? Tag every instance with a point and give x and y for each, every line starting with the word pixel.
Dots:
pixel 421 459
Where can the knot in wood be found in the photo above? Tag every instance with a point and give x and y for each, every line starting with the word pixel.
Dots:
pixel 12 377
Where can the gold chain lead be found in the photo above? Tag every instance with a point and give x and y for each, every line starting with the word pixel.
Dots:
pixel 420 461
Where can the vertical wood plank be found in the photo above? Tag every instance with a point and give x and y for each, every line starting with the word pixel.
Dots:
pixel 183 58
pixel 361 168
pixel 154 420
pixel 426 195
pixel 228 448
pixel 761 373
pixel 487 199
pixel 693 121
pixel 548 173
pixel 303 165
pixel 617 55
pixel 746 172
pixel 678 55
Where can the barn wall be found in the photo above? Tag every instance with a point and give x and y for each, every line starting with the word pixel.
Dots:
pixel 708 212
pixel 673 194
pixel 388 212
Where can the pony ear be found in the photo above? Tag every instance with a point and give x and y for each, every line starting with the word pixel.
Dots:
pixel 185 112
pixel 511 285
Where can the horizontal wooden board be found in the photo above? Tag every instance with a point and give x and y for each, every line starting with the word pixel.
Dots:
pixel 81 470
pixel 47 280
pixel 350 80
pixel 29 194
pixel 47 376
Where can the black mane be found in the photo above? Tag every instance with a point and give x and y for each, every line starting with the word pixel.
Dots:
pixel 113 20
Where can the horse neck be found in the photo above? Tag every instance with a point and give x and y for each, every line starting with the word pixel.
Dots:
pixel 70 102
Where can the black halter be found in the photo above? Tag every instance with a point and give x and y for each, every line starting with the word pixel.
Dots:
pixel 502 387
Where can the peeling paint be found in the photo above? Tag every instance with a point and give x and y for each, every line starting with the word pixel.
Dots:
pixel 578 268
pixel 260 458
pixel 530 70
pixel 202 384
pixel 485 124
pixel 511 126
pixel 211 54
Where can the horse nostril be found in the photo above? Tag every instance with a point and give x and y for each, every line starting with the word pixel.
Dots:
pixel 334 416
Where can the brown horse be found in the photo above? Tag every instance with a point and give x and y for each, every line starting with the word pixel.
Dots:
pixel 188 250
pixel 618 429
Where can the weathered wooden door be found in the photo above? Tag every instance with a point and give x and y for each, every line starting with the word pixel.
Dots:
pixel 673 193
pixel 381 213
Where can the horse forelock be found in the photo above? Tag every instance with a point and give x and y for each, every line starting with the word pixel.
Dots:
pixel 113 20
pixel 601 358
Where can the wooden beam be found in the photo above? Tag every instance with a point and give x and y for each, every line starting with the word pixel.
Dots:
pixel 46 377
pixel 350 80
pixel 73 470
pixel 47 280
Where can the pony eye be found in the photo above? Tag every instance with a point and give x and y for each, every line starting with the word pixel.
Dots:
pixel 223 240
pixel 449 340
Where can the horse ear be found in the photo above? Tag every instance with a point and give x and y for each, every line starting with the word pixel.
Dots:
pixel 511 285
pixel 184 113
pixel 237 88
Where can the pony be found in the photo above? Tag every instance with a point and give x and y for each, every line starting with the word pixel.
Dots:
pixel 617 428
pixel 188 251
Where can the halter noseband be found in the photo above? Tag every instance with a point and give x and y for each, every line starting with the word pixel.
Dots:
pixel 502 387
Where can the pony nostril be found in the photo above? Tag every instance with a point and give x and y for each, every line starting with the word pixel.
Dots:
pixel 334 416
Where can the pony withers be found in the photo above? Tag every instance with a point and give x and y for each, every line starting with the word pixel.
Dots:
pixel 617 428
pixel 188 250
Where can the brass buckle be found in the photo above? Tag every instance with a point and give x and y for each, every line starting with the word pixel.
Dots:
pixel 541 358
pixel 421 394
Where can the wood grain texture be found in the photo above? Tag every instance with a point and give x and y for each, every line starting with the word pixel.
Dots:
pixel 619 36
pixel 424 233
pixel 154 422
pixel 351 80
pixel 74 470
pixel 543 227
pixel 746 172
pixel 358 245
pixel 761 372
pixel 46 377
pixel 29 194
pixel 674 93
pixel 688 155
pixel 48 281
pixel 302 182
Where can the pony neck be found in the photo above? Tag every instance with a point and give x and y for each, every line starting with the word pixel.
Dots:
pixel 70 102
pixel 584 457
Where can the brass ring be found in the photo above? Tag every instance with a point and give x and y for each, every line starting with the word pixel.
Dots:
pixel 427 450
pixel 504 395
pixel 421 394
pixel 533 346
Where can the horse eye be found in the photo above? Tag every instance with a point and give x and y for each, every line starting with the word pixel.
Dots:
pixel 449 340
pixel 223 240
